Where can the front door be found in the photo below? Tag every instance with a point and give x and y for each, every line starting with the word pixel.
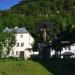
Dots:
pixel 21 54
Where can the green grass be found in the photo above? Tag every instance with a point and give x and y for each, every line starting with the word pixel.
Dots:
pixel 37 67
pixel 22 68
pixel 59 66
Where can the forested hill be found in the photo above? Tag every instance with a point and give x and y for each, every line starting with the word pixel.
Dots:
pixel 28 12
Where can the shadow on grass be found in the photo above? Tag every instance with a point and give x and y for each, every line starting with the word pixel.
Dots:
pixel 59 66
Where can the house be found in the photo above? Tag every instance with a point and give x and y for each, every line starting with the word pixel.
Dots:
pixel 68 51
pixel 24 40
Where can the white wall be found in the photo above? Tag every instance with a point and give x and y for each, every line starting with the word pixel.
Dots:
pixel 27 39
pixel 72 49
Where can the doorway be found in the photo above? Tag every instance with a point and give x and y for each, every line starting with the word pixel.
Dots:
pixel 21 54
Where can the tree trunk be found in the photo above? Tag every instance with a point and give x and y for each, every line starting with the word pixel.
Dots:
pixel 56 54
pixel 0 54
pixel 50 53
pixel 60 53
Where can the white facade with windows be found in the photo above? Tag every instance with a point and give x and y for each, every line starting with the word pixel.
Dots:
pixel 70 50
pixel 24 40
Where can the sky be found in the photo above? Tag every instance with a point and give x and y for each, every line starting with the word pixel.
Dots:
pixel 7 4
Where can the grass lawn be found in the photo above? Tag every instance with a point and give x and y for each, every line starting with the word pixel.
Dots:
pixel 29 67
pixel 59 66
pixel 37 67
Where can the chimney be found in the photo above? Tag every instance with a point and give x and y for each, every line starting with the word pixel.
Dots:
pixel 16 27
pixel 6 28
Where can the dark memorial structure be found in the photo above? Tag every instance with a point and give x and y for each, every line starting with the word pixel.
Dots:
pixel 41 25
pixel 44 29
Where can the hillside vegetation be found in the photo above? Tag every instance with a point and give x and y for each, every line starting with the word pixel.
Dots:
pixel 28 12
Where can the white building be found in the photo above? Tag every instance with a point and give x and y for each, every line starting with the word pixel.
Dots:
pixel 24 40
pixel 70 49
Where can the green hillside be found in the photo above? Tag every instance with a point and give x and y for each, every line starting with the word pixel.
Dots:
pixel 28 12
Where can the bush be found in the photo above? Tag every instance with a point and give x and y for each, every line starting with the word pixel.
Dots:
pixel 13 58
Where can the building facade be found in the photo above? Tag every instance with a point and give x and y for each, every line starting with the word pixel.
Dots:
pixel 24 40
pixel 68 51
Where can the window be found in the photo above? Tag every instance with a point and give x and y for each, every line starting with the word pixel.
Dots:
pixel 17 44
pixel 16 52
pixel 69 48
pixel 22 44
pixel 21 36
pixel 12 52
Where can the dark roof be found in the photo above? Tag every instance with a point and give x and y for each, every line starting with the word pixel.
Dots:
pixel 17 30
pixel 21 30
pixel 67 53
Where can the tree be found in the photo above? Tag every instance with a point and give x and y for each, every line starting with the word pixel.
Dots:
pixel 63 39
pixel 7 41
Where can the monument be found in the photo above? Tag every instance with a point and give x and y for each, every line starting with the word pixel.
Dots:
pixel 44 29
